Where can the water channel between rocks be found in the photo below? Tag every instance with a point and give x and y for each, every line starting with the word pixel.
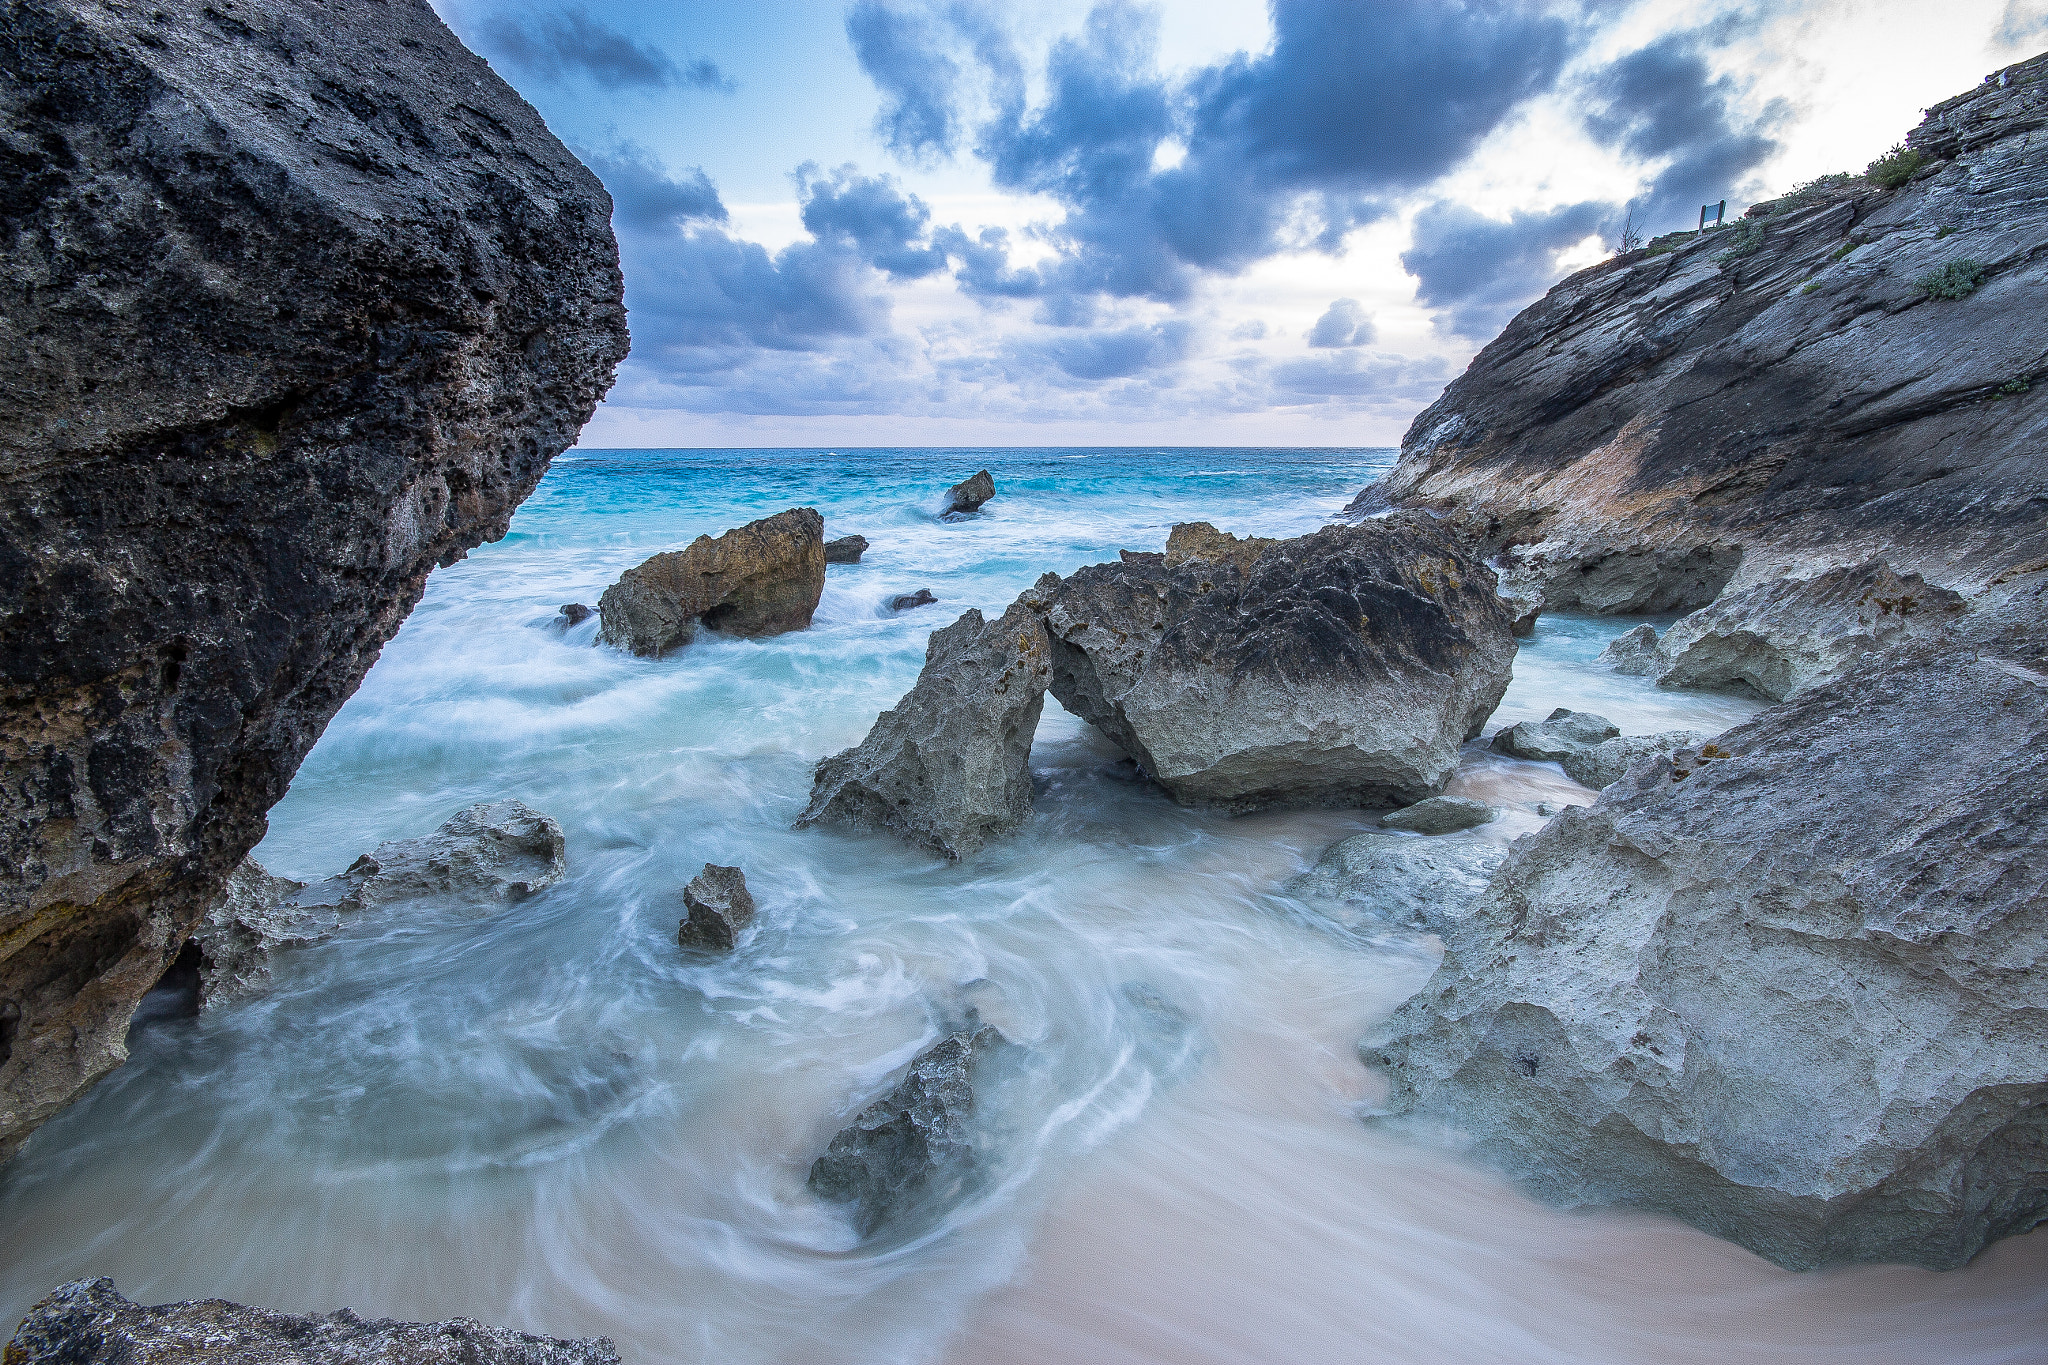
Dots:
pixel 550 1118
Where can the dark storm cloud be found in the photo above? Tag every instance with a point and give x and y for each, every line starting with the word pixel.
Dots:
pixel 570 43
pixel 1663 101
pixel 1344 323
pixel 1353 107
pixel 869 215
pixel 1481 271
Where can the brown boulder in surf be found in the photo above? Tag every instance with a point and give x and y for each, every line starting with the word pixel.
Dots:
pixel 763 578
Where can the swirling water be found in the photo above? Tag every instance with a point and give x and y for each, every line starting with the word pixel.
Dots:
pixel 552 1118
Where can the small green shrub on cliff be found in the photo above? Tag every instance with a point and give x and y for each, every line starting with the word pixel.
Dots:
pixel 1958 279
pixel 1844 249
pixel 1895 167
pixel 1809 286
pixel 1942 231
pixel 1801 196
pixel 1742 241
pixel 2013 388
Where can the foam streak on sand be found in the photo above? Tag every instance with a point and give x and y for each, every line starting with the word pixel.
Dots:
pixel 552 1119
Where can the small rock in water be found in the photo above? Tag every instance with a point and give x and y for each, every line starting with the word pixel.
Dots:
pixel 1441 815
pixel 1564 732
pixel 575 613
pixel 1417 883
pixel 846 549
pixel 910 1148
pixel 720 906
pixel 969 494
pixel 90 1322
pixel 921 598
pixel 1633 654
pixel 763 578
pixel 1601 765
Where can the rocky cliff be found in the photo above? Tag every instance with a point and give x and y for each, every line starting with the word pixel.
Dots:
pixel 1799 391
pixel 301 302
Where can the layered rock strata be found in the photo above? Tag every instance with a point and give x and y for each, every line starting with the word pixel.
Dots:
pixel 763 578
pixel 300 306
pixel 88 1322
pixel 1339 668
pixel 479 860
pixel 1776 398
pixel 909 1150
pixel 1787 986
pixel 1777 638
pixel 948 768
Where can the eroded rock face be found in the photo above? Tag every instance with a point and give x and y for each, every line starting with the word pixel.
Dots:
pixel 948 768
pixel 1775 398
pixel 909 1150
pixel 1633 653
pixel 1601 765
pixel 763 578
pixel 718 906
pixel 300 306
pixel 1777 638
pixel 480 860
pixel 1414 883
pixel 1440 815
pixel 1339 668
pixel 846 549
pixel 88 1322
pixel 966 497
pixel 1791 995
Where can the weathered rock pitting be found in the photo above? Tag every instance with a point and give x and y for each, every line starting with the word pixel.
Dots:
pixel 763 578
pixel 89 1322
pixel 300 306
pixel 1775 398
pixel 948 768
pixel 1787 987
pixel 717 907
pixel 1339 668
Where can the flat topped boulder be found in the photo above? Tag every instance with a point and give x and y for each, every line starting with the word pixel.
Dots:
pixel 763 578
pixel 1441 815
pixel 1339 668
pixel 969 494
pixel 846 549
pixel 89 1322
pixel 948 767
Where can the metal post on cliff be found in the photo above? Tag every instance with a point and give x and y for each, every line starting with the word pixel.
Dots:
pixel 1719 211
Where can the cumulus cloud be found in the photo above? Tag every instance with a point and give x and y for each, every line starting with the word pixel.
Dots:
pixel 1358 377
pixel 569 44
pixel 1482 271
pixel 1344 323
pixel 872 217
pixel 645 197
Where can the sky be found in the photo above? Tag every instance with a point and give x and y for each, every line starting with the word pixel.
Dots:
pixel 967 222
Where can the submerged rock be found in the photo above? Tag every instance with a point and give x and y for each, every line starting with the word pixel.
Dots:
pixel 846 549
pixel 1791 995
pixel 89 1322
pixel 763 578
pixel 1563 733
pixel 575 613
pixel 967 496
pixel 1633 653
pixel 1441 815
pixel 1415 883
pixel 948 767
pixel 480 859
pixel 1773 640
pixel 250 918
pixel 921 598
pixel 1343 667
pixel 909 1150
pixel 301 302
pixel 719 906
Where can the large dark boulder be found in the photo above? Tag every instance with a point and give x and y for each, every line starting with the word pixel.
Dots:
pixel 88 1322
pixel 1339 668
pixel 966 497
pixel 763 578
pixel 1776 398
pixel 301 302
pixel 948 768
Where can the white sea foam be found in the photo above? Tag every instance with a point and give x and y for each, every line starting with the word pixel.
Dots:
pixel 552 1118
